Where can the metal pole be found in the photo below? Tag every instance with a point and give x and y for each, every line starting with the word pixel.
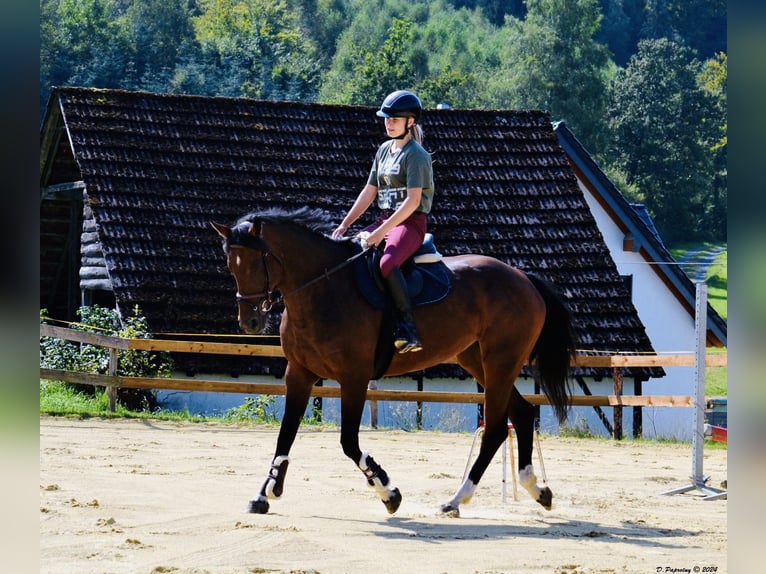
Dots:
pixel 699 481
pixel 700 326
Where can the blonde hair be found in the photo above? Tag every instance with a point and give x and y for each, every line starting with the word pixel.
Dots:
pixel 417 133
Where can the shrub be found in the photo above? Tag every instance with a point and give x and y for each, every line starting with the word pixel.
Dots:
pixel 72 356
pixel 258 409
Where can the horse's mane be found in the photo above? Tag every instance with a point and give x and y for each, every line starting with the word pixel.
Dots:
pixel 317 220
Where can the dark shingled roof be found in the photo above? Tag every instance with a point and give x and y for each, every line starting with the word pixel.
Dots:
pixel 157 168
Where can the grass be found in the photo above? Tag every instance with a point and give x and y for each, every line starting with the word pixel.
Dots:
pixel 58 398
pixel 61 399
pixel 717 284
pixel 717 279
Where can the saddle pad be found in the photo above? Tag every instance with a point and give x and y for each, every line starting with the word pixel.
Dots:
pixel 437 284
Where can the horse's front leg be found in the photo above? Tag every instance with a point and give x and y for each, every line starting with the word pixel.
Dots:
pixel 522 415
pixel 353 396
pixel 298 384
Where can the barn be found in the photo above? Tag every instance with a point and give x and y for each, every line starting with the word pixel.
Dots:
pixel 130 180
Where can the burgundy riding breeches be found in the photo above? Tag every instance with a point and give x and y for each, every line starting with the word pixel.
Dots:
pixel 402 241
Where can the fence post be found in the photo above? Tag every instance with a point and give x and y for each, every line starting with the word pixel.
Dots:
pixel 111 391
pixel 373 385
pixel 316 411
pixel 617 428
pixel 419 404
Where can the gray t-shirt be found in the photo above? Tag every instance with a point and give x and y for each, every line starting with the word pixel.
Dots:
pixel 393 172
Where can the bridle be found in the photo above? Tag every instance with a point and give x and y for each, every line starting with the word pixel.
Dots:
pixel 261 300
pixel 264 300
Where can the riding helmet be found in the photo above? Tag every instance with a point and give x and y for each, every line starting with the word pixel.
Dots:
pixel 400 104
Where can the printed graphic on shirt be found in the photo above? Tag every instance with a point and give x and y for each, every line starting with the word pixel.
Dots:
pixel 394 170
pixel 391 197
pixel 390 168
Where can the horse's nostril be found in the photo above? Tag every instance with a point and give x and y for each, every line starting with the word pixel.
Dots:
pixel 250 325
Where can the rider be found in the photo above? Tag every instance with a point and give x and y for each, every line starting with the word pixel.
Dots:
pixel 401 179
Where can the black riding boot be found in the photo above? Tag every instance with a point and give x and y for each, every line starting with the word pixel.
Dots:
pixel 407 338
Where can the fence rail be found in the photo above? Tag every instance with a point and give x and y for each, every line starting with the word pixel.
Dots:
pixel 113 381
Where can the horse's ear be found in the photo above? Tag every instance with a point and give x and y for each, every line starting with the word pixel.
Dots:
pixel 248 228
pixel 223 230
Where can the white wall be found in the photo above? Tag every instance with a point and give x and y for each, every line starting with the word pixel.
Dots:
pixel 669 327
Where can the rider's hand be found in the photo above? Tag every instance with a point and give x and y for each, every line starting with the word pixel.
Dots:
pixel 339 231
pixel 375 237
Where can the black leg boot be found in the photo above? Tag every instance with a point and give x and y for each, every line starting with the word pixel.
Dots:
pixel 407 338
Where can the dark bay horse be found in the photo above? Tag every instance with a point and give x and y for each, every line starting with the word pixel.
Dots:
pixel 495 319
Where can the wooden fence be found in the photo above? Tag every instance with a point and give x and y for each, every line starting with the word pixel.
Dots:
pixel 112 381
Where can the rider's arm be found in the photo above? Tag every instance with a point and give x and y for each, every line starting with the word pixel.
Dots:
pixel 363 201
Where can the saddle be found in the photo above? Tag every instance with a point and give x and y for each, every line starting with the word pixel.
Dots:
pixel 428 279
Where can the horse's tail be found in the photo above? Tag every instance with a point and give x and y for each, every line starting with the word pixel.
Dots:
pixel 554 349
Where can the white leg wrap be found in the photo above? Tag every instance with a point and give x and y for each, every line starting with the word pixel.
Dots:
pixel 528 480
pixel 271 480
pixel 463 494
pixel 373 480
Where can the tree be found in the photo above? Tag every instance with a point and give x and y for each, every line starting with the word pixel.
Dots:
pixel 81 43
pixel 552 62
pixel 259 48
pixel 323 22
pixel 160 31
pixel 386 69
pixel 495 10
pixel 366 47
pixel 621 27
pixel 659 121
pixel 698 24
pixel 462 45
pixel 713 80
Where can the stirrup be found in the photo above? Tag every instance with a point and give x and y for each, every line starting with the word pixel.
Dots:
pixel 404 345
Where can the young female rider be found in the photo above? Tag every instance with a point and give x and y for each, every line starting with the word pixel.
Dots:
pixel 401 179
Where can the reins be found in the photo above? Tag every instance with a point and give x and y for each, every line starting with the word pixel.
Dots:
pixel 267 303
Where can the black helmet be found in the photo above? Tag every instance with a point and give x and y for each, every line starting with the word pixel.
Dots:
pixel 400 104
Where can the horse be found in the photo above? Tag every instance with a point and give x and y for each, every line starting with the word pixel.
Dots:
pixel 495 320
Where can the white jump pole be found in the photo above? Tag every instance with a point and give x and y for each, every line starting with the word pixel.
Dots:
pixel 699 481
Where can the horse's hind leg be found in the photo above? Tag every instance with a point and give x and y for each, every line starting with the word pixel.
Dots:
pixel 522 415
pixel 493 437
pixel 298 383
pixel 353 395
pixel 495 429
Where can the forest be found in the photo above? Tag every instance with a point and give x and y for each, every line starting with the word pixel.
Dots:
pixel 641 83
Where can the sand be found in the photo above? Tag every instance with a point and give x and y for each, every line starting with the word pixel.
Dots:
pixel 135 496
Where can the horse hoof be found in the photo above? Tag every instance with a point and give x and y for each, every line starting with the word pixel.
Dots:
pixel 392 504
pixel 546 498
pixel 451 511
pixel 258 506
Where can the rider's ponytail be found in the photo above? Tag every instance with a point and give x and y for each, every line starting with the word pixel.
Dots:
pixel 417 133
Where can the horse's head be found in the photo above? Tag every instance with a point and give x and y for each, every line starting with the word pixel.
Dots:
pixel 255 272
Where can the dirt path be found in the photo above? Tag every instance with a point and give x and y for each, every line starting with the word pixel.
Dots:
pixel 697 262
pixel 157 497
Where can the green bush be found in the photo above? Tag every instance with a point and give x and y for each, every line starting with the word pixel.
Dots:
pixel 258 409
pixel 72 356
